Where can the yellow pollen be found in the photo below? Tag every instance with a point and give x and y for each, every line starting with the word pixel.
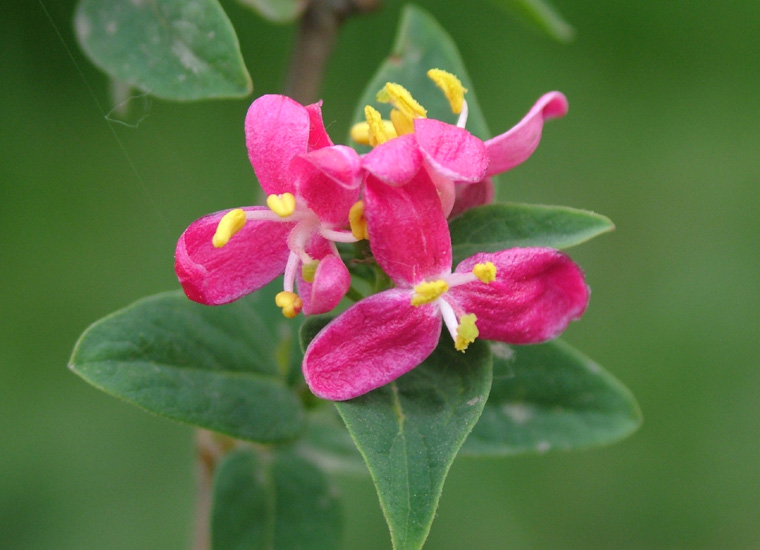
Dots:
pixel 232 222
pixel 485 272
pixel 429 291
pixel 401 99
pixel 358 221
pixel 402 124
pixel 360 131
pixel 282 205
pixel 466 332
pixel 309 270
pixel 451 87
pixel 290 303
pixel 378 131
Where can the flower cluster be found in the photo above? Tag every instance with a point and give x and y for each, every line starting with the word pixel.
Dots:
pixel 420 172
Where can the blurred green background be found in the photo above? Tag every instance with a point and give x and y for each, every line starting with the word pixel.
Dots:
pixel 663 136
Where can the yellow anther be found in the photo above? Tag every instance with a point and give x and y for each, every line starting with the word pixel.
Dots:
pixel 232 222
pixel 401 99
pixel 451 87
pixel 467 331
pixel 378 131
pixel 402 124
pixel 290 303
pixel 485 272
pixel 357 221
pixel 282 205
pixel 429 291
pixel 309 270
pixel 360 131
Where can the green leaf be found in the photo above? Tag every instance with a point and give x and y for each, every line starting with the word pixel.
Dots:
pixel 172 49
pixel 213 367
pixel 410 430
pixel 275 500
pixel 541 16
pixel 326 442
pixel 422 44
pixel 506 225
pixel 550 396
pixel 277 11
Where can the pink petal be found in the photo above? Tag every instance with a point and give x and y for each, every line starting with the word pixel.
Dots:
pixel 537 292
pixel 328 179
pixel 396 161
pixel 451 151
pixel 408 233
pixel 318 137
pixel 472 195
pixel 516 145
pixel 253 257
pixel 372 343
pixel 276 130
pixel 331 282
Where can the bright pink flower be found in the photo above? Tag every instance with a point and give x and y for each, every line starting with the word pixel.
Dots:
pixel 519 296
pixel 311 185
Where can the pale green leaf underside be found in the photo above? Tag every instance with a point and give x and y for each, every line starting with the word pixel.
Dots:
pixel 172 49
pixel 541 16
pixel 212 367
pixel 410 430
pixel 497 227
pixel 422 44
pixel 273 500
pixel 548 397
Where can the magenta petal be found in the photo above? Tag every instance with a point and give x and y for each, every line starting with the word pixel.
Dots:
pixel 408 233
pixel 451 151
pixel 470 195
pixel 517 145
pixel 331 282
pixel 396 161
pixel 318 137
pixel 537 292
pixel 276 130
pixel 372 343
pixel 252 258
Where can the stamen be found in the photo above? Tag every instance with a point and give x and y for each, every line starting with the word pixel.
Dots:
pixel 358 221
pixel 360 131
pixel 401 99
pixel 402 124
pixel 451 87
pixel 232 222
pixel 377 131
pixel 429 291
pixel 309 270
pixel 466 332
pixel 283 205
pixel 290 303
pixel 486 272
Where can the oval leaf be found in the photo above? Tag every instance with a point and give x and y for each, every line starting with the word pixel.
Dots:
pixel 410 430
pixel 541 16
pixel 422 44
pixel 277 501
pixel 497 227
pixel 173 49
pixel 547 397
pixel 212 367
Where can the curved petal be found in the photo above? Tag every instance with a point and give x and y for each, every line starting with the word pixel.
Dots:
pixel 453 152
pixel 395 162
pixel 328 179
pixel 277 129
pixel 537 292
pixel 252 258
pixel 472 195
pixel 408 233
pixel 318 137
pixel 331 282
pixel 372 343
pixel 517 145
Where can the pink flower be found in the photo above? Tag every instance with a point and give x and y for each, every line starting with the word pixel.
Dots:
pixel 311 185
pixel 519 296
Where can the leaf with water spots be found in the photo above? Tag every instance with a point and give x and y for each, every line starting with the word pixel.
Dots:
pixel 173 49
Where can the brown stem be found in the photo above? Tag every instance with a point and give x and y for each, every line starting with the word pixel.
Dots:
pixel 211 448
pixel 315 41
